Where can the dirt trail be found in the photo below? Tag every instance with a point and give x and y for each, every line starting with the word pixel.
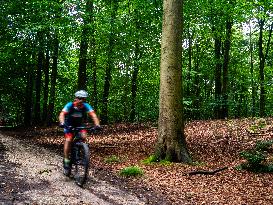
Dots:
pixel 33 175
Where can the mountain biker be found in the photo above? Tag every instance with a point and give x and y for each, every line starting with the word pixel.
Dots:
pixel 73 114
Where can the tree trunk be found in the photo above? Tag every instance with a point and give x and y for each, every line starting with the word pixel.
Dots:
pixel 224 113
pixel 82 61
pixel 136 69
pixel 134 82
pixel 261 68
pixel 94 96
pixel 37 107
pixel 253 90
pixel 53 80
pixel 262 58
pixel 171 144
pixel 28 97
pixel 188 89
pixel 46 85
pixel 218 75
pixel 107 80
pixel 197 86
pixel 126 92
pixel 93 54
pixel 82 75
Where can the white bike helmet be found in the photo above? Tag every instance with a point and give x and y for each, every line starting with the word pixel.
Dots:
pixel 81 94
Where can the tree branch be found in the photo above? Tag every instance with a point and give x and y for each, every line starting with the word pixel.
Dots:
pixel 206 172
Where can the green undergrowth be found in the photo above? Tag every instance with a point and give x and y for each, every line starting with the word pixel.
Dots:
pixel 153 159
pixel 258 159
pixel 131 171
pixel 258 124
pixel 112 159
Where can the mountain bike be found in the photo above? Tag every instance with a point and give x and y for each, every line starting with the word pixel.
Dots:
pixel 79 155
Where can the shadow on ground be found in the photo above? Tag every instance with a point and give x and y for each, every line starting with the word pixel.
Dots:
pixel 12 185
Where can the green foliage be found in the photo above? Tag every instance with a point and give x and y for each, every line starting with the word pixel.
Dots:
pixel 256 159
pixel 165 162
pixel 153 159
pixel 263 145
pixel 150 160
pixel 131 171
pixel 259 124
pixel 197 163
pixel 29 26
pixel 112 159
pixel 260 169
pixel 253 157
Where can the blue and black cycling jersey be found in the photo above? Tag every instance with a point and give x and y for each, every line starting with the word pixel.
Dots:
pixel 76 114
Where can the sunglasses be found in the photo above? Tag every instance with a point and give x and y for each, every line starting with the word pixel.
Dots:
pixel 83 99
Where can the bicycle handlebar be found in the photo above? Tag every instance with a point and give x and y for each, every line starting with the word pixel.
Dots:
pixel 91 129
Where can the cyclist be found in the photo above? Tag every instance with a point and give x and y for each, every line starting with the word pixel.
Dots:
pixel 73 114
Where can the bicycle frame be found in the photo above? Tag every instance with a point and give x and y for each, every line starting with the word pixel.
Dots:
pixel 79 155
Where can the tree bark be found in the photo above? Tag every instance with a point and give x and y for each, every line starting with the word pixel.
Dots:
pixel 107 80
pixel 82 61
pixel 53 80
pixel 197 91
pixel 188 89
pixel 46 85
pixel 93 54
pixel 224 112
pixel 253 90
pixel 261 68
pixel 134 83
pixel 37 107
pixel 262 57
pixel 171 143
pixel 218 77
pixel 28 97
pixel 136 69
pixel 82 73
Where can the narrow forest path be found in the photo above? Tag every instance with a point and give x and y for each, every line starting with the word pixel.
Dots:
pixel 33 175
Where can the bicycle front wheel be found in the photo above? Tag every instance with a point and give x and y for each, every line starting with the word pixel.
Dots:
pixel 81 163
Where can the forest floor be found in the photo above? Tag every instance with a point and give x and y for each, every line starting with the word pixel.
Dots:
pixel 212 144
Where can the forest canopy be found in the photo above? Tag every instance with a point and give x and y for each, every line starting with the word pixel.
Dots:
pixel 111 48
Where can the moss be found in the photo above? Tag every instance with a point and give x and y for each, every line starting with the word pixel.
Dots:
pixel 131 171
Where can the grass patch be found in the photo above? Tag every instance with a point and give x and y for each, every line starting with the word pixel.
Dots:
pixel 150 160
pixel 165 162
pixel 131 171
pixel 112 159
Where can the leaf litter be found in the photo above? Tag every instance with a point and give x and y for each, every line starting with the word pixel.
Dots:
pixel 213 144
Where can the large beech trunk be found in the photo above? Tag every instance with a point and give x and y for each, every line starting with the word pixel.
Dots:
pixel 171 144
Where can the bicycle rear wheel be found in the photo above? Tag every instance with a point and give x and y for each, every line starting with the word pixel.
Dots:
pixel 81 163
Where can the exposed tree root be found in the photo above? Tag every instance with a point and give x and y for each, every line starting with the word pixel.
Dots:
pixel 207 172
